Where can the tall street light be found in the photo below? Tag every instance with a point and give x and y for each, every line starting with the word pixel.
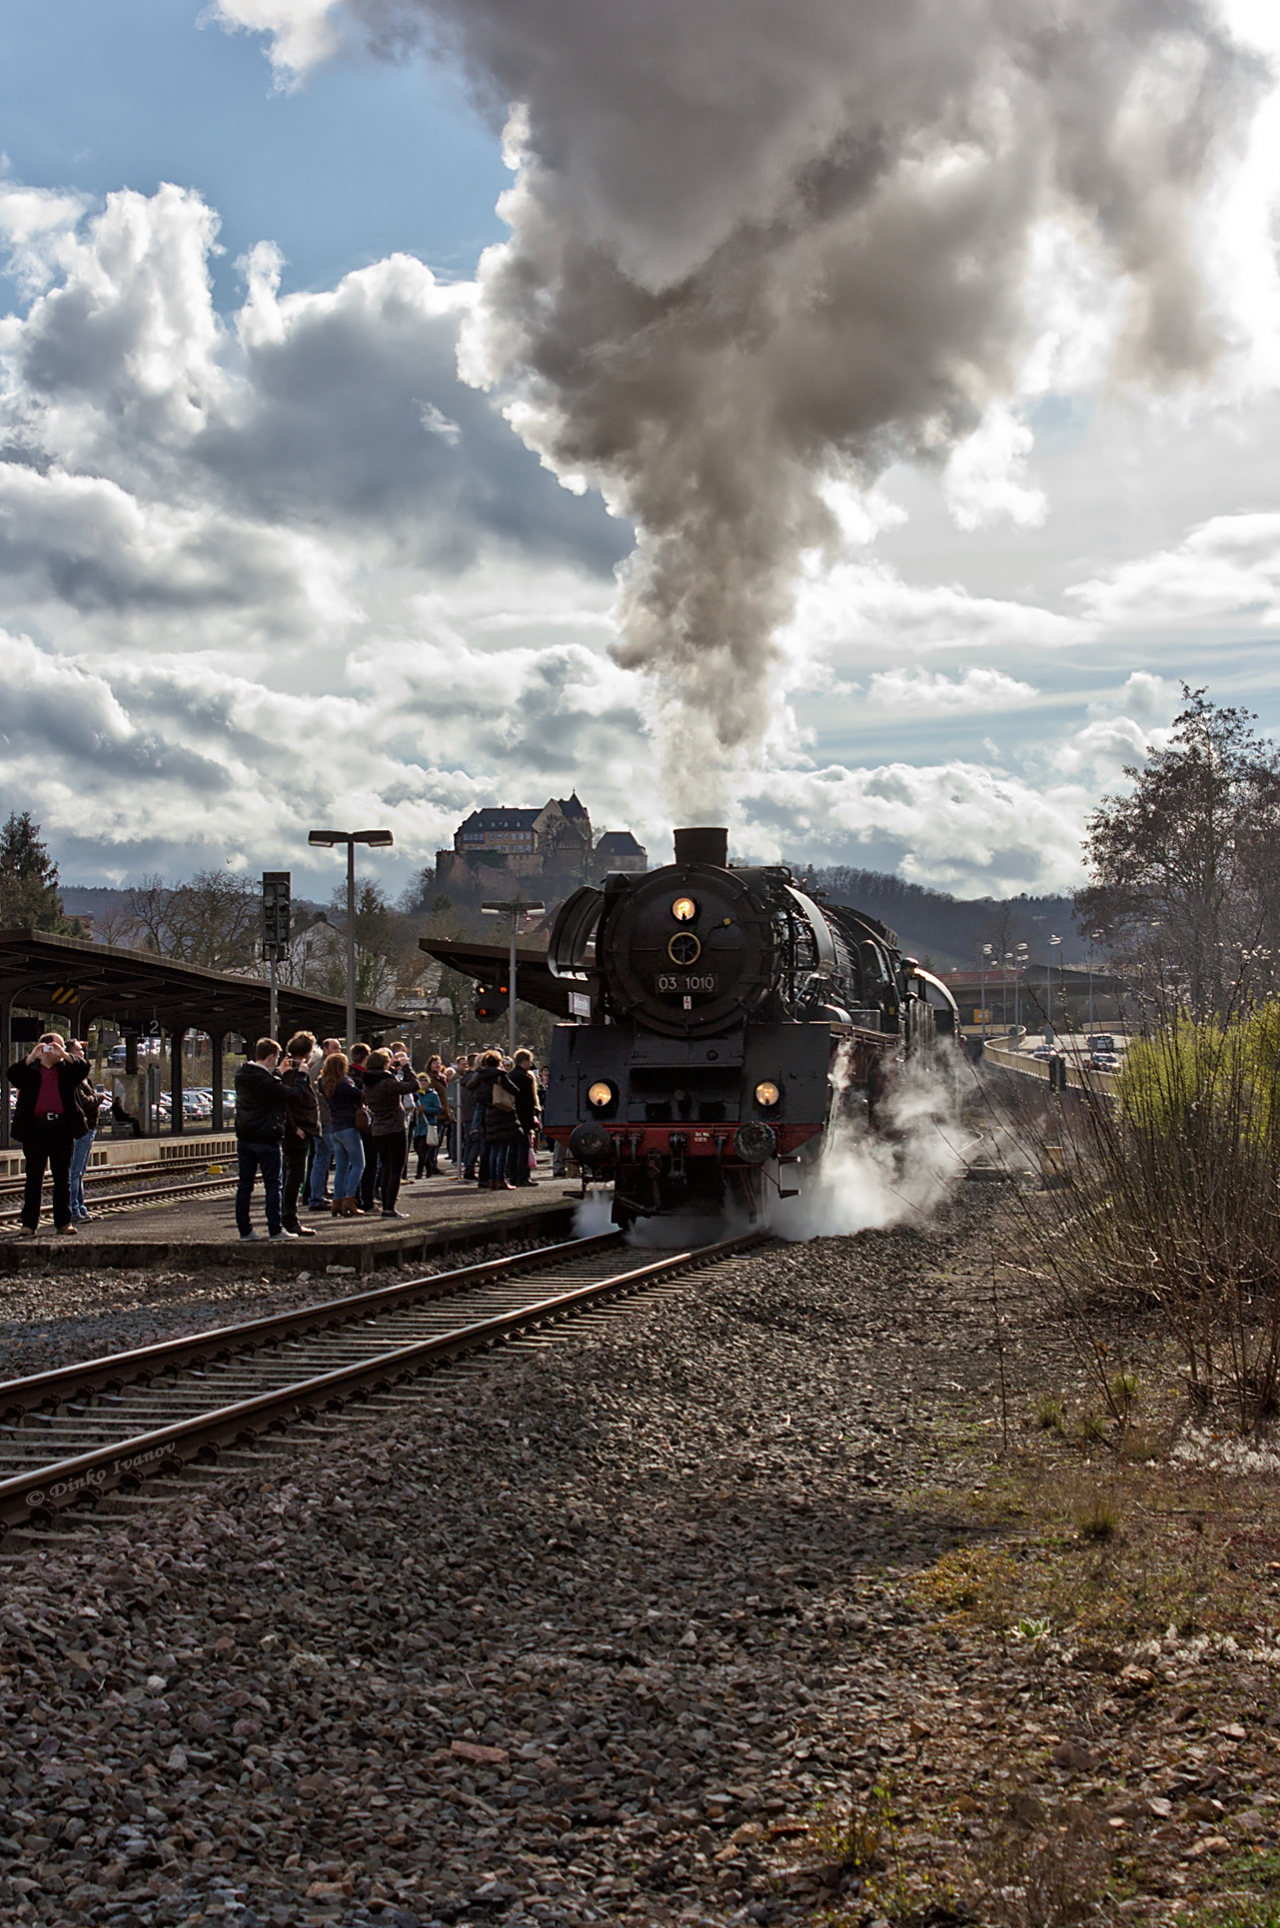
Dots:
pixel 514 908
pixel 380 840
pixel 1048 985
pixel 983 960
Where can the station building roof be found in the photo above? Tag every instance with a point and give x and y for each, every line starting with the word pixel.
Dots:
pixel 50 974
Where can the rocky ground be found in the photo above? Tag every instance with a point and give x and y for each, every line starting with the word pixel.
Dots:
pixel 683 1621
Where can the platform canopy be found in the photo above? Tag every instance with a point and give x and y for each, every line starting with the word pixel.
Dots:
pixel 67 976
pixel 487 964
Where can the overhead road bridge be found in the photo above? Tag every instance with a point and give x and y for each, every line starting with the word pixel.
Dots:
pixel 66 977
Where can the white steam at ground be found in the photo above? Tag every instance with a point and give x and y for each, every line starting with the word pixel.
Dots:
pixel 759 246
pixel 865 1180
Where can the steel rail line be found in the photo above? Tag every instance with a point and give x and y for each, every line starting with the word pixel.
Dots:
pixel 85 1461
pixel 145 1195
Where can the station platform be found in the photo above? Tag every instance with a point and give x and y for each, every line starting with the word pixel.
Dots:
pixel 444 1215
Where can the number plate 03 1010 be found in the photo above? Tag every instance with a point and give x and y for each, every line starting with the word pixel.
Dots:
pixel 668 981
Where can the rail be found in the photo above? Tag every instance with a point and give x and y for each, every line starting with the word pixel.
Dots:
pixel 54 1484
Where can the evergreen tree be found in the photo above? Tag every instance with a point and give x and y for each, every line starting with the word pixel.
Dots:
pixel 29 897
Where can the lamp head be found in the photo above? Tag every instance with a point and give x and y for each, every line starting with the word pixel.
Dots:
pixel 326 838
pixel 380 839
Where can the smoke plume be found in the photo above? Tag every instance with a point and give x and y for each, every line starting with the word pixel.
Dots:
pixel 758 244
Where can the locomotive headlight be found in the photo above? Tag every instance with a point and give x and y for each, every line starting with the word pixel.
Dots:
pixel 767 1095
pixel 684 910
pixel 600 1095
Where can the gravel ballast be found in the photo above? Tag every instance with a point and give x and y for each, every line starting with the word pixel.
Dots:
pixel 580 1633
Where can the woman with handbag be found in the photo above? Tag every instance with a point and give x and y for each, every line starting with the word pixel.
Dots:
pixel 342 1095
pixel 427 1113
pixel 500 1130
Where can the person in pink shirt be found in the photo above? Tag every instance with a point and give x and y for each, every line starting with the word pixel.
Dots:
pixel 47 1120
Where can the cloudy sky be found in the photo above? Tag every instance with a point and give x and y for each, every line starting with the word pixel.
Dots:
pixel 811 436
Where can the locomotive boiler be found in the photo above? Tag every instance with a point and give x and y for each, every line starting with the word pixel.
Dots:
pixel 725 1018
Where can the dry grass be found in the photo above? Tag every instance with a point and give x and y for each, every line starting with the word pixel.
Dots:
pixel 1113 1546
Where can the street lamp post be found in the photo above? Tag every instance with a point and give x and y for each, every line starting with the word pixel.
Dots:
pixel 1048 985
pixel 1019 964
pixel 379 840
pixel 514 908
pixel 982 976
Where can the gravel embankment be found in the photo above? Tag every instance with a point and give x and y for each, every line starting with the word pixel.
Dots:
pixel 50 1319
pixel 577 1636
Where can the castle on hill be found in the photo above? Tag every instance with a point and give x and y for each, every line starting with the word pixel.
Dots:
pixel 553 842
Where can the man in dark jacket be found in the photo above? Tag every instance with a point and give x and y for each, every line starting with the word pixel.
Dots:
pixel 303 1126
pixel 46 1122
pixel 262 1114
pixel 524 1078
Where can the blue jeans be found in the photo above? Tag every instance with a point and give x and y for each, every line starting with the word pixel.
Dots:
pixel 253 1159
pixel 79 1165
pixel 348 1162
pixel 320 1164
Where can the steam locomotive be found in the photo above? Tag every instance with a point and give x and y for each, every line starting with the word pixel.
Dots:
pixel 729 1016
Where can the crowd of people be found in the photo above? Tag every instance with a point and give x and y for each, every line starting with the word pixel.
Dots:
pixel 326 1131
pixel 332 1131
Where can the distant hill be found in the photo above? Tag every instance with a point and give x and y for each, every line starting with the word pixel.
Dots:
pixel 942 931
pixel 948 932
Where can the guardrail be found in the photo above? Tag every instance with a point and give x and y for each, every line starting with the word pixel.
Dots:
pixel 1020 1061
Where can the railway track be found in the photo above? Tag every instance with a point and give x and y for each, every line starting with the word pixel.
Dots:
pixel 71 1435
pixel 114 1202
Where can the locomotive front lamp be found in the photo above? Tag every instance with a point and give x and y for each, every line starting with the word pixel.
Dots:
pixel 600 1095
pixel 767 1095
pixel 684 910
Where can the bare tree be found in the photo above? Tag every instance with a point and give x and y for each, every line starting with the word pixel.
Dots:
pixel 1186 869
pixel 212 919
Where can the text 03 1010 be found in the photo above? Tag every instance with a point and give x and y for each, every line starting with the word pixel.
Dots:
pixel 668 981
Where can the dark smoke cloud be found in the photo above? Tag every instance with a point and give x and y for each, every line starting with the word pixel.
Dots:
pixel 756 243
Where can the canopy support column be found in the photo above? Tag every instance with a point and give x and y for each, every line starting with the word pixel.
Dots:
pixel 215 1054
pixel 177 1111
pixel 6 1013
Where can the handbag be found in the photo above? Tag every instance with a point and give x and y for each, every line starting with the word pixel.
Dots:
pixel 502 1099
pixel 432 1135
pixel 364 1122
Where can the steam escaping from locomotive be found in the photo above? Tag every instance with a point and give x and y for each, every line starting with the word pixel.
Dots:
pixel 862 1180
pixel 761 245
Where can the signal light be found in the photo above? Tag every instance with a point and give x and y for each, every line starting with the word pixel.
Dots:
pixel 492 1001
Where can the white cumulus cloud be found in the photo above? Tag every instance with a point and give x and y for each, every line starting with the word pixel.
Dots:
pixel 934 693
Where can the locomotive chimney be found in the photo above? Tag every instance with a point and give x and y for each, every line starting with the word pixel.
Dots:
pixel 703 847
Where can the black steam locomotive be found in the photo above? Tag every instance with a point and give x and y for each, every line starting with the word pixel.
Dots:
pixel 723 1016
